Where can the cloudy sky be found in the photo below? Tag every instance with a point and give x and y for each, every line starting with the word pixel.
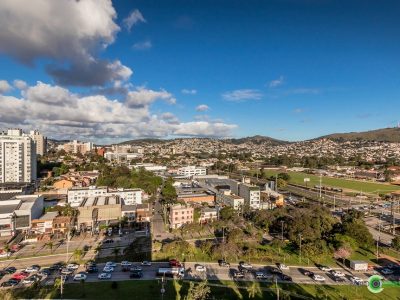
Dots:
pixel 114 70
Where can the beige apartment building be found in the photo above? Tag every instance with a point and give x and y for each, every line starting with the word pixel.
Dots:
pixel 179 215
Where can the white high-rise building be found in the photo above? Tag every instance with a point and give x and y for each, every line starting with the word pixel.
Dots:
pixel 40 141
pixel 17 157
pixel 192 171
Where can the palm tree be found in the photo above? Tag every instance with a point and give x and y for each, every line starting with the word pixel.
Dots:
pixel 116 252
pixel 78 254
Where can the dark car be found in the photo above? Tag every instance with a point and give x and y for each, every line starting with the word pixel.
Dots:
pixel 223 263
pixel 92 269
pixel 237 274
pixel 286 277
pixel 2 274
pixel 136 274
pixel 56 266
pixel 10 270
pixel 11 282
pixel 306 272
pixel 45 272
pixel 274 270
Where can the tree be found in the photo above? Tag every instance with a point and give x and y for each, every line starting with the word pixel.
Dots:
pixel 284 176
pixel 116 252
pixel 78 254
pixel 196 214
pixel 281 183
pixel 50 245
pixel 227 213
pixel 342 253
pixel 396 243
pixel 254 290
pixel 199 291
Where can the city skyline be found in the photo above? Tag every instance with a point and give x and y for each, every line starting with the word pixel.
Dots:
pixel 113 71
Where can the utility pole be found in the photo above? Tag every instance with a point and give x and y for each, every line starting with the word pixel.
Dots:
pixel 300 248
pixel 282 229
pixel 320 186
pixel 277 289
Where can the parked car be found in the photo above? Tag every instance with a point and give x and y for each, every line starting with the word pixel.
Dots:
pixel 146 263
pixel 66 271
pixel 44 272
pixel 325 268
pixel 245 265
pixel 282 266
pixel 261 275
pixel 104 276
pixel 136 274
pixel 223 263
pixel 238 274
pixel 200 268
pixel 31 279
pixel 33 268
pixel 108 269
pixel 135 268
pixel 356 280
pixel 319 278
pixel 174 263
pixel 20 275
pixel 92 269
pixel 10 270
pixel 125 263
pixel 386 271
pixel 108 241
pixel 286 277
pixel 10 282
pixel 111 264
pixel 306 272
pixel 72 266
pixel 80 276
pixel 337 273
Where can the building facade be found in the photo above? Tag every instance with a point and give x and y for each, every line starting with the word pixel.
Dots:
pixel 40 142
pixel 192 171
pixel 17 157
pixel 250 194
pixel 180 215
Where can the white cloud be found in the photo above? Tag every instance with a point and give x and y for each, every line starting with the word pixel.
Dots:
pixel 202 107
pixel 20 84
pixel 242 95
pixel 189 92
pixel 143 97
pixel 203 128
pixel 144 45
pixel 276 82
pixel 134 17
pixel 4 86
pixel 68 34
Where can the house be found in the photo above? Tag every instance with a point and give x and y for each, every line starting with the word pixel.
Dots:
pixel 208 214
pixel 62 224
pixel 63 184
pixel 44 225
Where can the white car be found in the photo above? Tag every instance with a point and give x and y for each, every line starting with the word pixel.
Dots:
pixel 325 268
pixel 200 268
pixel 317 277
pixel 111 264
pixel 108 269
pixel 338 274
pixel 245 265
pixel 356 280
pixel 386 271
pixel 104 276
pixel 283 267
pixel 80 276
pixel 125 263
pixel 32 269
pixel 146 263
pixel 72 266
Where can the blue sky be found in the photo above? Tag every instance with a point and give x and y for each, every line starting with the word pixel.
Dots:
pixel 287 69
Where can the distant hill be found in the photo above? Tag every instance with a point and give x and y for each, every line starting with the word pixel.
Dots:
pixel 379 135
pixel 257 139
pixel 142 141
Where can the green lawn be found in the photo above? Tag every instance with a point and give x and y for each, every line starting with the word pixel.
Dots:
pixel 367 187
pixel 150 289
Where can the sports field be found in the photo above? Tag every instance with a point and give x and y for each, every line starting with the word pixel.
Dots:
pixel 355 185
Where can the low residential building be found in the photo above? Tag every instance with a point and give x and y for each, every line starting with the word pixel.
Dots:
pixel 232 200
pixel 150 167
pixel 129 212
pixel 195 195
pixel 77 147
pixel 63 184
pixel 180 215
pixel 99 210
pixel 143 213
pixel 17 213
pixel 190 171
pixel 271 199
pixel 250 194
pixel 208 214
pixel 128 196
pixel 62 224
pixel 44 225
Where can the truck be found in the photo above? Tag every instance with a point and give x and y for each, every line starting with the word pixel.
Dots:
pixel 359 265
pixel 171 272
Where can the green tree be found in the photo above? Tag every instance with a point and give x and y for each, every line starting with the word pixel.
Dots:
pixel 396 243
pixel 227 213
pixel 198 291
pixel 78 254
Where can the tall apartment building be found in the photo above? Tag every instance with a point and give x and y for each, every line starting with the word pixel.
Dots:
pixel 180 215
pixel 250 194
pixel 17 157
pixel 192 171
pixel 40 141
pixel 78 147
pixel 77 195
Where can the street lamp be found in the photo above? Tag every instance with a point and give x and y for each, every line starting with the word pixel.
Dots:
pixel 300 237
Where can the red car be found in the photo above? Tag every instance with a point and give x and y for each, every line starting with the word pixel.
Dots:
pixel 174 263
pixel 20 276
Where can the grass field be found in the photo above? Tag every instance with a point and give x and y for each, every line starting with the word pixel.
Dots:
pixel 355 185
pixel 150 289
